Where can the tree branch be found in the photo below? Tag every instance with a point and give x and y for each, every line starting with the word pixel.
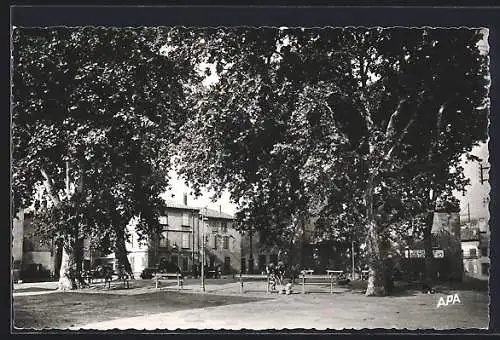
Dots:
pixel 48 184
pixel 434 142
pixel 389 131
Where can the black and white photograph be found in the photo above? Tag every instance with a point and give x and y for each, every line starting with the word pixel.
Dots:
pixel 250 177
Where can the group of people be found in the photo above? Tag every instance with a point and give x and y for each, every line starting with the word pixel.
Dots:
pixel 282 271
pixel 283 276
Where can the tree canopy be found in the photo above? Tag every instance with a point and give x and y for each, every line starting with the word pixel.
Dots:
pixel 94 113
pixel 350 125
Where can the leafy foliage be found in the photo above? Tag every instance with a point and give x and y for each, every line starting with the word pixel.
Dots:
pixel 354 126
pixel 100 106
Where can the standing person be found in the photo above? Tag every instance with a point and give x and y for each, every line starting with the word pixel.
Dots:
pixel 294 272
pixel 195 270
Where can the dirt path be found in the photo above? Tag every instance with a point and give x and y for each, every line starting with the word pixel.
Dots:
pixel 321 311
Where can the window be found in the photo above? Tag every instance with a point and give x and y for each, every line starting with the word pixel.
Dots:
pixel 185 240
pixel 185 218
pixel 214 245
pixel 163 220
pixel 485 268
pixel 472 252
pixel 484 251
pixel 164 239
pixel 224 227
pixel 215 226
pixel 225 242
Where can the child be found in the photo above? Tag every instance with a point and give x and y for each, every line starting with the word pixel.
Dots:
pixel 288 287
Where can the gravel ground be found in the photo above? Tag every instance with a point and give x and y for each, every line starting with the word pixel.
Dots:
pixel 222 306
pixel 322 312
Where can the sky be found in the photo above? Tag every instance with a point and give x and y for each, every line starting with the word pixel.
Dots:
pixel 476 193
pixel 179 188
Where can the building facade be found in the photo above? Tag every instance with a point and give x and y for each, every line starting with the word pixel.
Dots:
pixel 475 248
pixel 182 238
pixel 475 214
pixel 33 257
pixel 180 242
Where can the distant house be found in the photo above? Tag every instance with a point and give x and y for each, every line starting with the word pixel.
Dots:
pixel 34 258
pixel 222 242
pixel 475 248
pixel 180 242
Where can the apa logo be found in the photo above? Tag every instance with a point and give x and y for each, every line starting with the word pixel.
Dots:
pixel 449 299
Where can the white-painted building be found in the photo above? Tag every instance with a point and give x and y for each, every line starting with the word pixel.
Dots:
pixel 474 216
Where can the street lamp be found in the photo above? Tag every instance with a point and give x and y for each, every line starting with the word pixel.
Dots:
pixel 352 252
pixel 251 252
pixel 176 247
pixel 203 218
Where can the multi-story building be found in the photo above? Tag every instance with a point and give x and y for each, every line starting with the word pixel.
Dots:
pixel 475 215
pixel 222 242
pixel 475 249
pixel 180 242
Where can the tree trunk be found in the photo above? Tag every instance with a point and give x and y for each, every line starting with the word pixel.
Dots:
pixel 376 281
pixel 66 273
pixel 79 262
pixel 121 253
pixel 429 256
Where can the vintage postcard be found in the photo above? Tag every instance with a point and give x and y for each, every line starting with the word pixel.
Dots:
pixel 259 178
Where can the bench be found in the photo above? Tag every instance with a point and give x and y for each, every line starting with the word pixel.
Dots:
pixel 329 278
pixel 166 276
pixel 253 277
pixel 335 273
pixel 123 277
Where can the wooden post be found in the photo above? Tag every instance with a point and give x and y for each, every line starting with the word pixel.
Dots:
pixel 156 281
pixel 303 283
pixel 331 284
pixel 178 282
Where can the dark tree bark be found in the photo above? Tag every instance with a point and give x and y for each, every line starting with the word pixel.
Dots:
pixel 376 281
pixel 429 256
pixel 121 253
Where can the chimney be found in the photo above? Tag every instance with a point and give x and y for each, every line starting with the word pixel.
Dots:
pixel 185 199
pixel 220 208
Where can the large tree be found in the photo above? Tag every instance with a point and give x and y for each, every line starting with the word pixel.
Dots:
pixel 325 121
pixel 94 111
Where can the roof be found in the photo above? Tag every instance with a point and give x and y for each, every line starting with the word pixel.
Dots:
pixel 211 213
pixel 217 214
pixel 175 205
